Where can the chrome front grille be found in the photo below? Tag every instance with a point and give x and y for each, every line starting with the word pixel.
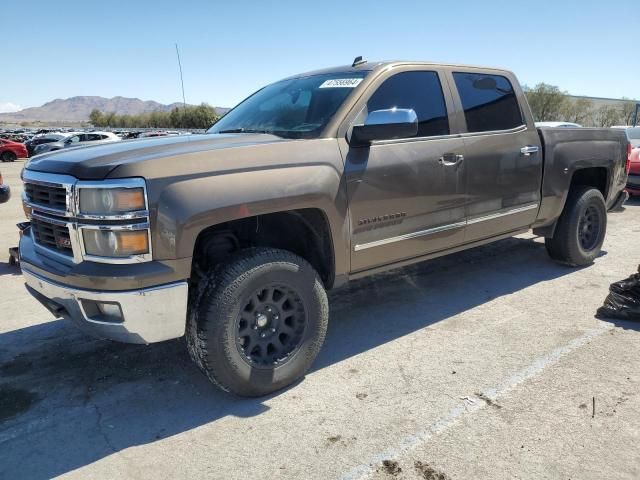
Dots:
pixel 52 235
pixel 48 196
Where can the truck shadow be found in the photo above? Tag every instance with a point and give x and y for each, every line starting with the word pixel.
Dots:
pixel 8 269
pixel 67 400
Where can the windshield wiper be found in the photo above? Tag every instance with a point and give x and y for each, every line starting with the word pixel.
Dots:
pixel 243 130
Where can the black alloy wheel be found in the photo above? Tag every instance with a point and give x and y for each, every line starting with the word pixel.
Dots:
pixel 271 326
pixel 589 228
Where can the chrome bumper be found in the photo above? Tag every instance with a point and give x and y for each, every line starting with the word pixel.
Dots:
pixel 146 316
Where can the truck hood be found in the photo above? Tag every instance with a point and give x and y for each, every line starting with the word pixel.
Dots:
pixel 96 162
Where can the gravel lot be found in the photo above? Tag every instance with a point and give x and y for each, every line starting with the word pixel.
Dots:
pixel 484 364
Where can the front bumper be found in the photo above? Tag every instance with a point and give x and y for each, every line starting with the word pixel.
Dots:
pixel 147 315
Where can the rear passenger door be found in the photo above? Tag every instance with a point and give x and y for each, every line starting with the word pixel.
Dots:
pixel 502 180
pixel 406 196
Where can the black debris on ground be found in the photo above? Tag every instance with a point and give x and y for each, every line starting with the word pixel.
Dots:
pixel 623 301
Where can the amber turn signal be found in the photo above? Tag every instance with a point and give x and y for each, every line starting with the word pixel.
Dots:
pixel 129 199
pixel 133 242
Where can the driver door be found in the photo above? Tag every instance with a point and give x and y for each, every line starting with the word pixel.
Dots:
pixel 407 196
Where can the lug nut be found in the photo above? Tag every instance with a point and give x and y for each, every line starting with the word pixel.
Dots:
pixel 255 327
pixel 263 335
pixel 273 330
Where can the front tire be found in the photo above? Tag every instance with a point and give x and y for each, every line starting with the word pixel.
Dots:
pixel 581 228
pixel 258 321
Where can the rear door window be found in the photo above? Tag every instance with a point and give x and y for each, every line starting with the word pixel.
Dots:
pixel 420 91
pixel 489 102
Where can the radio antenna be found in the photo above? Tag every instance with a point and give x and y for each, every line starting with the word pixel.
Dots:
pixel 184 101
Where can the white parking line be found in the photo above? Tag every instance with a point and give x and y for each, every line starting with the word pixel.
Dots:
pixel 472 403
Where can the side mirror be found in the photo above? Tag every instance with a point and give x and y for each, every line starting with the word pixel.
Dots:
pixel 386 125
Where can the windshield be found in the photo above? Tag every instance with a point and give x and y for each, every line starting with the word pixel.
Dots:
pixel 296 108
pixel 633 133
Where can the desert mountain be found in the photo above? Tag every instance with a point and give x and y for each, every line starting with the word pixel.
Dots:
pixel 77 109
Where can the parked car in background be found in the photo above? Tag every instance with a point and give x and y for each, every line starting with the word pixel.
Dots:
pixel 153 134
pixel 15 137
pixel 5 191
pixel 78 140
pixel 10 151
pixel 633 182
pixel 42 139
pixel 633 134
pixel 558 124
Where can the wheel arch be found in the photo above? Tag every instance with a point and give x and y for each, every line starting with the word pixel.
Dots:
pixel 593 176
pixel 305 232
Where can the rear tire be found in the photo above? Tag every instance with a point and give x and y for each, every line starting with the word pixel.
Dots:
pixel 258 321
pixel 9 157
pixel 581 228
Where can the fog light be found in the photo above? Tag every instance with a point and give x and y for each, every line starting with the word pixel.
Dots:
pixel 109 312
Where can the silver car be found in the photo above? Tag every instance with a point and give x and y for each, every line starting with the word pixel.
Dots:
pixel 558 125
pixel 633 134
pixel 78 139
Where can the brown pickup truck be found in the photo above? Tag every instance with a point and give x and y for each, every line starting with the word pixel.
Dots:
pixel 233 237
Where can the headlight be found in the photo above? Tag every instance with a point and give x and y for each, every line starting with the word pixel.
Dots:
pixel 111 201
pixel 115 243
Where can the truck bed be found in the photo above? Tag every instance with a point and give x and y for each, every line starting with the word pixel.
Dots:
pixel 603 151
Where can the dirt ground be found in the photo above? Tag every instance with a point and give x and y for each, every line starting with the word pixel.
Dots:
pixel 484 364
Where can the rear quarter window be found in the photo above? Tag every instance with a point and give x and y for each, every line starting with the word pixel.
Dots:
pixel 489 102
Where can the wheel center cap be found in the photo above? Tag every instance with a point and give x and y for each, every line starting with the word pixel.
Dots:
pixel 262 320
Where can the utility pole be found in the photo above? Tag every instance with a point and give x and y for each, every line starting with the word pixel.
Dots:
pixel 184 101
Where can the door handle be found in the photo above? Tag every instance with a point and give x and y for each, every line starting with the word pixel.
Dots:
pixel 451 159
pixel 529 149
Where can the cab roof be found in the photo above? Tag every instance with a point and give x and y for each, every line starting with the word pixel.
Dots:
pixel 378 65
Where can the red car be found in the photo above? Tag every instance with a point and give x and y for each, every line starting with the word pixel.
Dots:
pixel 633 182
pixel 9 150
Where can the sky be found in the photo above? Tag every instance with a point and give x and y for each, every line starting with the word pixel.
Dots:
pixel 230 49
